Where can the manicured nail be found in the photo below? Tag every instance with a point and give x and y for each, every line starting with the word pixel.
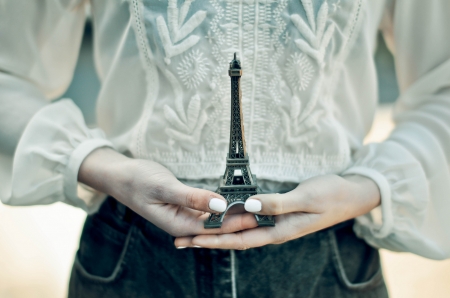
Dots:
pixel 181 247
pixel 196 246
pixel 217 205
pixel 252 205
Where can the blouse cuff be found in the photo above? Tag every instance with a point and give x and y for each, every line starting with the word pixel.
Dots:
pixel 48 157
pixel 386 203
pixel 71 184
pixel 404 195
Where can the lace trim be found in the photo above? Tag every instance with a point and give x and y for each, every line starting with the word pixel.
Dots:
pixel 276 166
pixel 150 72
pixel 349 32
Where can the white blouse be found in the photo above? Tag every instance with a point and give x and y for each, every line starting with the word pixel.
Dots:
pixel 309 97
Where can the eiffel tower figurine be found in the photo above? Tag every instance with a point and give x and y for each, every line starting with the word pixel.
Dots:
pixel 237 184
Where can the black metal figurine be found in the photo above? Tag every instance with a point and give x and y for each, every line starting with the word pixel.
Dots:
pixel 237 184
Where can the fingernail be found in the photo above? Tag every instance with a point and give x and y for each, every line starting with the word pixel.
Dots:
pixel 196 246
pixel 252 205
pixel 217 205
pixel 181 247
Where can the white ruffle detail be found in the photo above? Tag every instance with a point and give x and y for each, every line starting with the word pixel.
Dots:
pixel 406 203
pixel 49 154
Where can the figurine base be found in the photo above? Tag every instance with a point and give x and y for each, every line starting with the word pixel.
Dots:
pixel 215 220
pixel 237 194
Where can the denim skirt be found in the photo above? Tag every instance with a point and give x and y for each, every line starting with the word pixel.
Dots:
pixel 123 255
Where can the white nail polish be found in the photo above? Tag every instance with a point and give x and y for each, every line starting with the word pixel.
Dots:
pixel 196 246
pixel 181 247
pixel 217 205
pixel 252 205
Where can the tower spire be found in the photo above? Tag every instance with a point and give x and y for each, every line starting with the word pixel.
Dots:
pixel 237 147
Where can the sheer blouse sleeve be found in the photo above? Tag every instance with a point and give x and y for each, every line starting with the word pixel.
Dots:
pixel 412 167
pixel 42 144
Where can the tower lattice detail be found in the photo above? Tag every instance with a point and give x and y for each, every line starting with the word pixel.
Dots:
pixel 237 184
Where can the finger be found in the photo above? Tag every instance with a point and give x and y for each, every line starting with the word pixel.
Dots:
pixel 275 204
pixel 196 198
pixel 288 227
pixel 240 240
pixel 231 223
pixel 181 221
pixel 183 242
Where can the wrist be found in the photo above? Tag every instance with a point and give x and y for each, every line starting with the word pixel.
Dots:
pixel 365 194
pixel 108 171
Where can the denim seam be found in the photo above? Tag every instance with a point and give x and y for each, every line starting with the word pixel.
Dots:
pixel 233 273
pixel 373 281
pixel 323 239
pixel 121 262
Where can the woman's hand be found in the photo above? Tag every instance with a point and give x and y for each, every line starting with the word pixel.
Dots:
pixel 314 205
pixel 153 192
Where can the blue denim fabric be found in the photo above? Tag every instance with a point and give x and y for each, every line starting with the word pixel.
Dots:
pixel 123 255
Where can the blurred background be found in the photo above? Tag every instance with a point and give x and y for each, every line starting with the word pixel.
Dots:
pixel 38 244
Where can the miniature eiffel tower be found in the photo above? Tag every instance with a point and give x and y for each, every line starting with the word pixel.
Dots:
pixel 237 184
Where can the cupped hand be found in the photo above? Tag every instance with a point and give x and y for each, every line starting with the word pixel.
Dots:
pixel 314 205
pixel 153 192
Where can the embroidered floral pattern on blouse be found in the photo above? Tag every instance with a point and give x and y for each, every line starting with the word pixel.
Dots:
pixel 288 50
pixel 176 29
pixel 299 71
pixel 187 126
pixel 316 34
pixel 193 69
pixel 301 125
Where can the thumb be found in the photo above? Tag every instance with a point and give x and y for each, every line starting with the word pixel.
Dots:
pixel 273 204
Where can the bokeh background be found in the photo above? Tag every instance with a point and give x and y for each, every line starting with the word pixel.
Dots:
pixel 38 243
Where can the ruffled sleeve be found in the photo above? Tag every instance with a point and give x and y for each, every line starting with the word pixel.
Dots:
pixel 42 144
pixel 412 167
